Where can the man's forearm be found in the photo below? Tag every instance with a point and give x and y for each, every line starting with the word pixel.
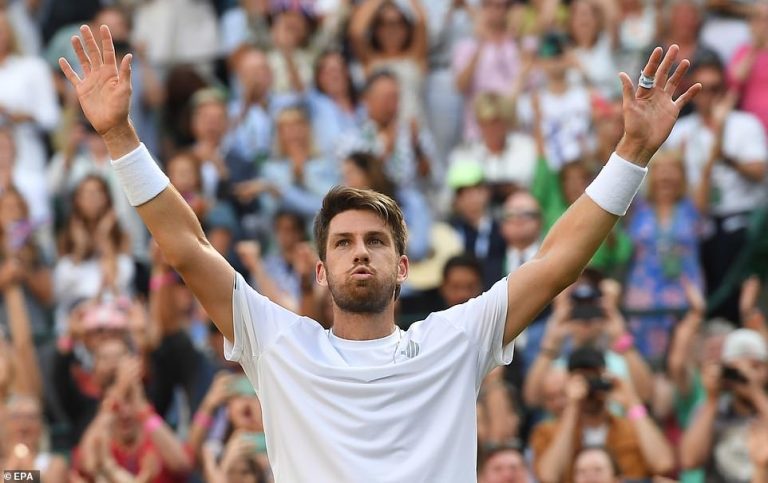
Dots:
pixel 553 464
pixel 697 440
pixel 654 447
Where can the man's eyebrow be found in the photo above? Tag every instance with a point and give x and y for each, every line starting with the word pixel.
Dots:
pixel 380 233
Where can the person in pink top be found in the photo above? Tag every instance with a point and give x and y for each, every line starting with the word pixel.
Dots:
pixel 748 72
pixel 487 62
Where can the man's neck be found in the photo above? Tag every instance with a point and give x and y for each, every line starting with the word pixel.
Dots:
pixel 353 326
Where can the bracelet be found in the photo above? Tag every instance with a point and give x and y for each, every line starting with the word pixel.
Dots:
pixel 202 419
pixel 140 176
pixel 152 423
pixel 616 186
pixel 623 343
pixel 159 281
pixel 637 412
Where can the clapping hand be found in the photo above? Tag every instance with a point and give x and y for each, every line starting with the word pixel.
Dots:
pixel 650 113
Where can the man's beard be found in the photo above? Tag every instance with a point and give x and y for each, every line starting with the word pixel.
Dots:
pixel 369 296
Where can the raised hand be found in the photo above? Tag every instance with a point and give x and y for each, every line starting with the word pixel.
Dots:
pixel 650 113
pixel 104 91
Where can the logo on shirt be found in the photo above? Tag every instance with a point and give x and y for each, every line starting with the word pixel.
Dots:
pixel 411 350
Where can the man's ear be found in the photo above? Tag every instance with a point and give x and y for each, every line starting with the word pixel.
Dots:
pixel 403 268
pixel 320 274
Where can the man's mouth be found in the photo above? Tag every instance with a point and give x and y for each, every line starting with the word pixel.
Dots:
pixel 362 273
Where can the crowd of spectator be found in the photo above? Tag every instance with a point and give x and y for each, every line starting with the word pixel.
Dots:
pixel 484 120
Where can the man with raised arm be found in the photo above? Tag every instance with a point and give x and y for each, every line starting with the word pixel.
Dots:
pixel 366 401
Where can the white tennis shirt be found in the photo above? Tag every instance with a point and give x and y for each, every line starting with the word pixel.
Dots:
pixel 398 409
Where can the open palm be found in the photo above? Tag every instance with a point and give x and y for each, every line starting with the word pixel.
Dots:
pixel 650 114
pixel 104 92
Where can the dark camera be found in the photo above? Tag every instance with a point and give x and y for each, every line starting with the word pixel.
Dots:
pixel 599 384
pixel 731 374
pixel 585 299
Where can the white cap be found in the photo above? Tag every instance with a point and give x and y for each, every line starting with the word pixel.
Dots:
pixel 745 343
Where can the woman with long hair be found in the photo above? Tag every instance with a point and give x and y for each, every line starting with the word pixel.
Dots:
pixel 94 257
pixel 389 35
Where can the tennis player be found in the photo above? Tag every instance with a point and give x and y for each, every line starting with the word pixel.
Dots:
pixel 366 401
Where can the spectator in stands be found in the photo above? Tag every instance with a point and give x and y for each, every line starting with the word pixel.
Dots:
pixel 726 155
pixel 31 186
pixel 254 106
pixel 595 465
pixel 635 442
pixel 127 434
pixel 736 399
pixel 392 36
pixel 462 280
pixel 758 451
pixel 27 100
pixel 591 26
pixel 291 58
pixel 23 264
pixel 239 462
pixel 665 228
pixel 208 126
pixel 488 62
pixel 748 71
pixel 23 433
pixel 185 174
pixel 93 250
pixel 635 32
pixel 521 229
pixel 296 177
pixel 508 156
pixel 565 110
pixel 406 148
pixel 503 464
pixel 587 315
pixel 473 220
pixel 365 171
pixel 331 101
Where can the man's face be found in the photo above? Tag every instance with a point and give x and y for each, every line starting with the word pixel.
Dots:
pixel 254 73
pixel 753 368
pixel 361 267
pixel 522 220
pixel 493 131
pixel 593 466
pixel 460 285
pixel 713 86
pixel 382 101
pixel 505 467
pixel 595 402
pixel 287 234
pixel 494 14
pixel 209 121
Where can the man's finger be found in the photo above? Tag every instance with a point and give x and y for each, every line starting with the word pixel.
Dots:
pixel 666 64
pixel 651 67
pixel 82 57
pixel 626 89
pixel 677 76
pixel 107 47
pixel 69 72
pixel 125 69
pixel 91 47
pixel 687 96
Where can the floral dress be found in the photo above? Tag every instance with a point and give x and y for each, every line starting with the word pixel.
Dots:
pixel 663 256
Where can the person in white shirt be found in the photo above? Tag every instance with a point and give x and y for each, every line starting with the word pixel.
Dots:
pixel 726 158
pixel 366 401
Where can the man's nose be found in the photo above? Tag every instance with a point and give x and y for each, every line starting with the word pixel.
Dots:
pixel 361 252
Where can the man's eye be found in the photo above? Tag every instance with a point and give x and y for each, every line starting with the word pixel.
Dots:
pixel 342 243
pixel 375 241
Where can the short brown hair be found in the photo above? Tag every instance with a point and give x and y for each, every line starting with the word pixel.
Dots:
pixel 342 198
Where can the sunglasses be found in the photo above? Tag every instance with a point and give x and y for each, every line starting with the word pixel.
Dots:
pixel 517 215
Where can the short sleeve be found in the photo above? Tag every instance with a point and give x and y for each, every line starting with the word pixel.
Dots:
pixel 257 321
pixel 483 319
pixel 748 143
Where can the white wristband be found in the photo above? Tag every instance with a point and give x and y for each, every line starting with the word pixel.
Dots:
pixel 616 185
pixel 140 176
